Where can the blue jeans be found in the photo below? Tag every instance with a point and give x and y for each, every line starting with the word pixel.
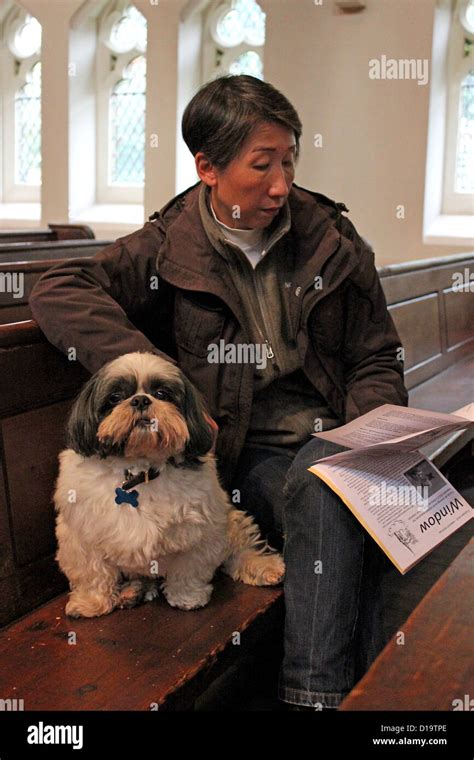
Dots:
pixel 333 598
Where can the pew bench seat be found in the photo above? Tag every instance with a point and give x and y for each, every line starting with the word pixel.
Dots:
pixel 147 658
pixel 449 390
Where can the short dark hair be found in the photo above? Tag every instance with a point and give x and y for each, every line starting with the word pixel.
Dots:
pixel 223 113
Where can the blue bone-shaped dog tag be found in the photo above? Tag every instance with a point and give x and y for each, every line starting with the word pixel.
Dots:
pixel 126 497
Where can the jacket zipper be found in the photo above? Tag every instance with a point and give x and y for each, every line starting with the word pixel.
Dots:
pixel 265 340
pixel 268 345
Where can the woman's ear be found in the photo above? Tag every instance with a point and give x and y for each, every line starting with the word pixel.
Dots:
pixel 205 169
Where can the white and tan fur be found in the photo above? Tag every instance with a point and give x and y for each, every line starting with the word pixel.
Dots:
pixel 184 527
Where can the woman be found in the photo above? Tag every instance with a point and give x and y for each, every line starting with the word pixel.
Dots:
pixel 269 301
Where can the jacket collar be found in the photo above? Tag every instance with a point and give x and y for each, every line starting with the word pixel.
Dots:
pixel 187 258
pixel 279 227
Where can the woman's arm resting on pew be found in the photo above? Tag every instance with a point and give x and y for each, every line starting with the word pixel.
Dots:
pixel 84 304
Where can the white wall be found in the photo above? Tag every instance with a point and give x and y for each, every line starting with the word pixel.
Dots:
pixel 374 132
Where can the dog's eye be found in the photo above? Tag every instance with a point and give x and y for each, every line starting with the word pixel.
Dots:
pixel 162 394
pixel 114 398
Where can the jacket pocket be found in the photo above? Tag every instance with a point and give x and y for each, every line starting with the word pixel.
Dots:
pixel 326 324
pixel 198 321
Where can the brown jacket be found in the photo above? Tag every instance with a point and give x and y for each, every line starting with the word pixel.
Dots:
pixel 164 289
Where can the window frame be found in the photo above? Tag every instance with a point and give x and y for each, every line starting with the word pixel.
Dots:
pixel 218 57
pixel 15 74
pixel 109 71
pixel 458 68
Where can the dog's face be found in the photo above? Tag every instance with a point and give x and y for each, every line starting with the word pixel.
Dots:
pixel 139 406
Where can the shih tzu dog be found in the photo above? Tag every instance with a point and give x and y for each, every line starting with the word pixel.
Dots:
pixel 138 496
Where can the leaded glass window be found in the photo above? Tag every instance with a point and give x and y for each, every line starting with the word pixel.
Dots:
pixel 464 182
pixel 26 40
pixel 237 29
pixel 28 129
pixel 129 31
pixel 243 22
pixel 248 63
pixel 127 126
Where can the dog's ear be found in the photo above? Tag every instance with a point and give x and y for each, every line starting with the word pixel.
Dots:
pixel 81 430
pixel 200 435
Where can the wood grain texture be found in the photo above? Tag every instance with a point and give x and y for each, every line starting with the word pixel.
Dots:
pixel 54 232
pixel 435 665
pixel 131 658
pixel 433 317
pixel 39 435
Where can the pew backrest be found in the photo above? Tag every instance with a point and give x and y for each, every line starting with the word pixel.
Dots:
pixel 54 232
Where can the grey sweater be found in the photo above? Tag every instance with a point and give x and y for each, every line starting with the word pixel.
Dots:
pixel 286 407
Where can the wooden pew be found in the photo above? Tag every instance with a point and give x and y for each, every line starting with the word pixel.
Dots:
pixel 435 320
pixel 21 264
pixel 154 656
pixel 431 667
pixel 54 232
pixel 32 416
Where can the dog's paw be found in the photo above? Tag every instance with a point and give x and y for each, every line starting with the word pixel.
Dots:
pixel 130 594
pixel 88 606
pixel 187 599
pixel 151 593
pixel 273 570
pixel 256 569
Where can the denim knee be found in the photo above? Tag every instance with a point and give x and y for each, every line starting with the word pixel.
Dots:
pixel 298 472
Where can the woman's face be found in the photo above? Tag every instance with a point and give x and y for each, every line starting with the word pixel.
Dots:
pixel 249 192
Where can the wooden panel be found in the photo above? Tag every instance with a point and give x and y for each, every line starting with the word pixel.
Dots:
pixel 459 316
pixel 29 587
pixel 9 598
pixel 6 546
pixel 37 583
pixel 435 665
pixel 413 279
pixel 55 378
pixel 17 313
pixel 17 285
pixel 417 376
pixel 131 658
pixel 449 390
pixel 32 442
pixel 418 323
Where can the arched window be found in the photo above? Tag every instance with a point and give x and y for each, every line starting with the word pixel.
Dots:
pixel 28 129
pixel 464 171
pixel 127 126
pixel 20 60
pixel 121 105
pixel 235 39
pixel 459 147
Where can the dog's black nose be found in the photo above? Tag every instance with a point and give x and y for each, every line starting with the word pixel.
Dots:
pixel 140 402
